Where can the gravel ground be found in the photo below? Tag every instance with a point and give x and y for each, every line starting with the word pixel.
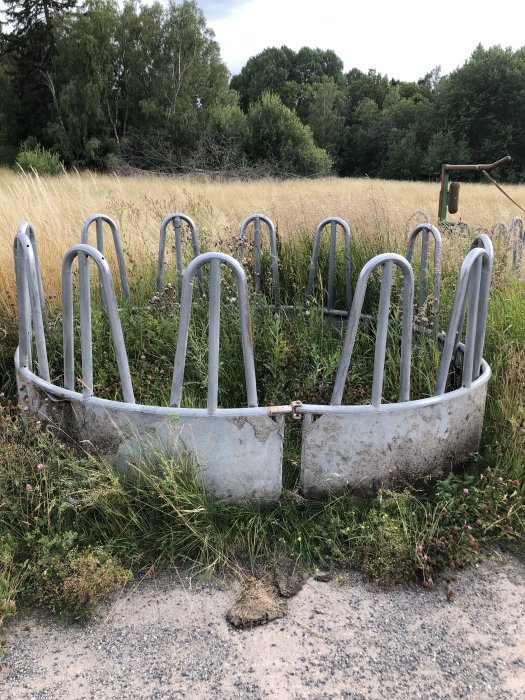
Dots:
pixel 164 639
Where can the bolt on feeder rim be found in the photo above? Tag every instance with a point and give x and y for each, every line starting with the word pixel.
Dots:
pixel 240 450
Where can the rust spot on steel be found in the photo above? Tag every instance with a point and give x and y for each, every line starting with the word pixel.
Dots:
pixel 278 410
pixel 453 198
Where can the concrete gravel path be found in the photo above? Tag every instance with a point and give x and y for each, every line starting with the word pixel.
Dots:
pixel 165 640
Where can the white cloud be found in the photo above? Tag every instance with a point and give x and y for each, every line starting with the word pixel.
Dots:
pixel 403 39
pixel 215 9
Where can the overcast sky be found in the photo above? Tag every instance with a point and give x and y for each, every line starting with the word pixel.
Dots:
pixel 404 39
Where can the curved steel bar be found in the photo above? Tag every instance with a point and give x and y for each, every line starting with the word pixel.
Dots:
pixel 517 231
pixel 387 260
pixel 25 227
pixel 501 230
pixel 256 219
pixel 60 394
pixel 177 218
pixel 426 229
pixel 481 241
pixel 334 222
pixel 30 308
pixel 472 292
pixel 420 215
pixel 83 250
pixel 215 260
pixel 99 220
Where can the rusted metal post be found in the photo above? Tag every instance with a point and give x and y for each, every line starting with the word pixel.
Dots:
pixel 444 190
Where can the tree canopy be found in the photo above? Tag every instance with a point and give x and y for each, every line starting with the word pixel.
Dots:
pixel 108 85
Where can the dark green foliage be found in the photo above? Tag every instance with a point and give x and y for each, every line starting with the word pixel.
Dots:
pixel 324 114
pixel 287 74
pixel 29 50
pixel 361 86
pixel 82 130
pixel 138 79
pixel 470 116
pixel 360 148
pixel 145 87
pixel 269 71
pixel 403 156
pixel 224 142
pixel 40 161
pixel 482 101
pixel 145 79
pixel 277 136
pixel 444 148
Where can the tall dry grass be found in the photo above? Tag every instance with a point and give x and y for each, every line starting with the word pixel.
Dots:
pixel 56 207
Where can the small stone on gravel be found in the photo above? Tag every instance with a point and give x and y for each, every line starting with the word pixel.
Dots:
pixel 289 578
pixel 323 576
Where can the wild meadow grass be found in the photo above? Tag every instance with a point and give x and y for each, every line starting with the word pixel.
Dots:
pixel 72 529
pixel 376 210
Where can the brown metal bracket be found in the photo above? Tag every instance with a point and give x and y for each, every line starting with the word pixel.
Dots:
pixel 451 201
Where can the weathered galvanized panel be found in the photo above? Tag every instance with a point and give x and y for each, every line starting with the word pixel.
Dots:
pixel 366 447
pixel 239 451
pixel 241 457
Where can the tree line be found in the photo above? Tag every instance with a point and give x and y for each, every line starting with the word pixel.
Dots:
pixel 103 86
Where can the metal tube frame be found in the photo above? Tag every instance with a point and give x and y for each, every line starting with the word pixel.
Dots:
pixel 176 218
pixel 25 227
pixel 420 216
pixel 83 269
pixel 387 261
pixel 426 229
pixel 256 219
pixel 481 241
pixel 517 232
pixel 30 301
pixel 85 251
pixel 501 230
pixel 215 260
pixel 472 294
pixel 334 222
